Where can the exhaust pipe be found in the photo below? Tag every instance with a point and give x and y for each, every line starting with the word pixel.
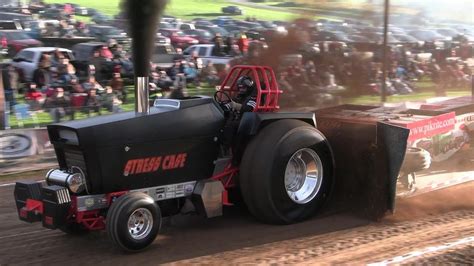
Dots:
pixel 141 95
pixel 143 16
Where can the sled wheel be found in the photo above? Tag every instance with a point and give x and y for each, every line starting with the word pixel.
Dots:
pixel 408 182
pixel 73 228
pixel 286 172
pixel 133 221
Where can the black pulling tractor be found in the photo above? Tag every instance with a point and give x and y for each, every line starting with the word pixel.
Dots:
pixel 123 172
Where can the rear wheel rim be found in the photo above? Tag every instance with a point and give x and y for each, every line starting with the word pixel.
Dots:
pixel 140 223
pixel 303 176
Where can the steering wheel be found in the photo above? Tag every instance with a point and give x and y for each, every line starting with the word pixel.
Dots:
pixel 224 103
pixel 219 99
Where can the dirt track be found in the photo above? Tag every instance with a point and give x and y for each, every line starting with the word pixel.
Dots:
pixel 428 220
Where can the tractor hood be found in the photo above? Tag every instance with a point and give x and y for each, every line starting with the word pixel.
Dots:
pixel 106 147
pixel 130 127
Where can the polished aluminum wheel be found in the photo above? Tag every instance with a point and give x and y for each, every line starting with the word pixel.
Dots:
pixel 303 176
pixel 140 223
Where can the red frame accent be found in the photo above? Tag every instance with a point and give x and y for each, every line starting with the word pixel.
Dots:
pixel 229 171
pixel 114 195
pixel 34 205
pixel 258 73
pixel 92 220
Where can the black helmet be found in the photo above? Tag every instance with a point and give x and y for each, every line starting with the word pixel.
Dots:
pixel 245 84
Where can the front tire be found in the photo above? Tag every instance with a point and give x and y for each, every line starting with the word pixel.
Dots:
pixel 133 221
pixel 287 172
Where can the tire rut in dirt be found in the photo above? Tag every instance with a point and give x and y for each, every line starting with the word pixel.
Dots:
pixel 378 241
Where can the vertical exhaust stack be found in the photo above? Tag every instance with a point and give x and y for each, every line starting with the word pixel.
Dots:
pixel 143 17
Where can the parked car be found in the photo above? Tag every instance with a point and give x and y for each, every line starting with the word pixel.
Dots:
pixel 164 55
pixel 10 25
pixel 105 33
pixel 53 13
pixel 221 21
pixel 17 40
pixel 27 60
pixel 162 39
pixel 232 10
pixel 178 38
pixel 100 18
pixel 234 28
pixel 81 11
pixel 165 25
pixel 205 52
pixel 203 22
pixel 92 12
pixel 213 30
pixel 204 37
pixel 185 26
pixel 23 19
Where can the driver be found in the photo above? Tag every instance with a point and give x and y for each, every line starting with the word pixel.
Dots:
pixel 246 99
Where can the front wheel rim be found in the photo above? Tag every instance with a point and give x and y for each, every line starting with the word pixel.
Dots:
pixel 140 223
pixel 303 176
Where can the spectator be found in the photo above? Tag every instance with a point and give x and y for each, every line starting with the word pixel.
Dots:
pixel 93 101
pixel 218 45
pixel 209 73
pixel 98 61
pixel 243 44
pixel 92 84
pixel 34 97
pixel 175 70
pixel 109 100
pixel 42 75
pixel 116 84
pixel 66 71
pixel 56 58
pixel 229 45
pixel 75 87
pixel 190 72
pixel 164 82
pixel 58 105
pixel 90 71
pixel 10 81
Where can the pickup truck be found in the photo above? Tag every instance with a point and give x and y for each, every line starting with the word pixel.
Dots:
pixel 205 53
pixel 164 55
pixel 27 60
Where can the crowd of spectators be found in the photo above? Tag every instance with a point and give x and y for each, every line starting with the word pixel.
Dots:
pixel 56 88
pixel 323 69
pixel 338 69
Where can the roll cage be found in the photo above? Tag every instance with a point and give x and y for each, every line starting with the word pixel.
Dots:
pixel 265 83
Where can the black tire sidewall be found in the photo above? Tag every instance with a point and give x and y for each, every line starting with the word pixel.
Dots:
pixel 263 168
pixel 127 206
pixel 299 138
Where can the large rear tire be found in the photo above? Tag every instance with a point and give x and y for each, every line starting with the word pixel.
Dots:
pixel 133 221
pixel 287 172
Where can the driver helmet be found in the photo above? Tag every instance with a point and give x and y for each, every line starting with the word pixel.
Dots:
pixel 245 85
